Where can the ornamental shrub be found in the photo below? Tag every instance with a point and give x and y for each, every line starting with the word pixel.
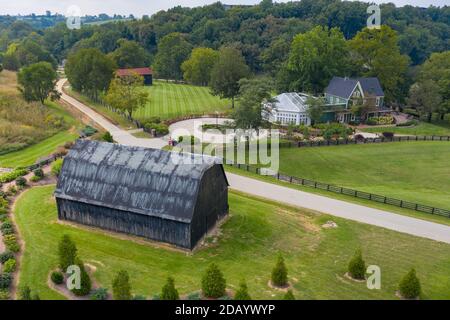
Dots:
pixel 4 294
pixel 289 295
pixel 6 225
pixel 5 280
pixel 121 286
pixel 9 266
pixel 194 296
pixel 409 286
pixel 279 273
pixel 7 231
pixel 213 282
pixel 35 179
pixel 21 182
pixel 11 176
pixel 11 243
pixel 57 277
pixel 169 292
pixel 107 137
pixel 56 167
pixel 85 281
pixel 67 252
pixel 3 203
pixel 357 266
pixel 5 256
pixel 39 173
pixel 242 292
pixel 99 294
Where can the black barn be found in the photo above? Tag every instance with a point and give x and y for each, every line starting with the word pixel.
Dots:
pixel 142 192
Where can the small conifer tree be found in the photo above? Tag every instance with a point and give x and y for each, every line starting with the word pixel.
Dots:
pixel 67 252
pixel 242 292
pixel 279 273
pixel 121 286
pixel 169 292
pixel 357 266
pixel 85 281
pixel 410 285
pixel 213 282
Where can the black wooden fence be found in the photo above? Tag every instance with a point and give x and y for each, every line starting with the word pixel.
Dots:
pixel 341 142
pixel 349 192
pixel 43 162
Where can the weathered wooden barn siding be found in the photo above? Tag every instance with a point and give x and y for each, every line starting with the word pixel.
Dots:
pixel 142 192
pixel 154 228
pixel 212 203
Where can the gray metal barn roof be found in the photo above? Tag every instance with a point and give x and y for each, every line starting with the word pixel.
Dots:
pixel 135 179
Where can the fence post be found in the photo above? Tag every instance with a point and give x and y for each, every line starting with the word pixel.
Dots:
pixel 401 203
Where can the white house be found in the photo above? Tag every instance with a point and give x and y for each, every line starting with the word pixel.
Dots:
pixel 288 108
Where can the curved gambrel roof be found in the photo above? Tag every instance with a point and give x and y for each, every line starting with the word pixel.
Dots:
pixel 134 179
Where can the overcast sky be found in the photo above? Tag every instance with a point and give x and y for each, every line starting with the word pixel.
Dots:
pixel 140 7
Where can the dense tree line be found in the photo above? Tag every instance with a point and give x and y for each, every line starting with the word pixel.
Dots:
pixel 300 44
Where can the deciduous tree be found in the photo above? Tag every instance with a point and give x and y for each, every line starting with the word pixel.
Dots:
pixel 173 50
pixel 252 94
pixel 89 71
pixel 425 97
pixel 197 69
pixel 377 54
pixel 316 56
pixel 37 82
pixel 130 54
pixel 226 73
pixel 127 93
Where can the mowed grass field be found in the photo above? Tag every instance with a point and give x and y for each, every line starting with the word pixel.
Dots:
pixel 170 100
pixel 413 171
pixel 250 240
pixel 29 155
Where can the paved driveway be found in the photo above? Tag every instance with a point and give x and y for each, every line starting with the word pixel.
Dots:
pixel 380 218
pixel 121 136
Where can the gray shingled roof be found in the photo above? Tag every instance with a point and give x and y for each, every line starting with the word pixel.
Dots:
pixel 139 180
pixel 343 87
pixel 371 86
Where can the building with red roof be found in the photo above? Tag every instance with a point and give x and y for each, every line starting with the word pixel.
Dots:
pixel 147 73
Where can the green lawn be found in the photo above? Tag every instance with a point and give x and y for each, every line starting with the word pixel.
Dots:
pixel 423 128
pixel 170 100
pixel 413 171
pixel 29 155
pixel 257 230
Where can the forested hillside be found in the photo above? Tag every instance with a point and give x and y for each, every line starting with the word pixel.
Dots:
pixel 267 35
